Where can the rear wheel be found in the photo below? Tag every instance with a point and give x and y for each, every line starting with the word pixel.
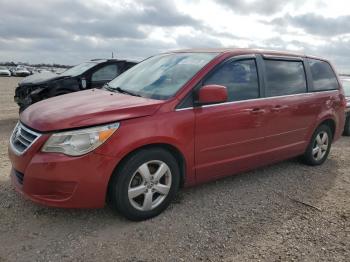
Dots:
pixel 144 185
pixel 319 146
pixel 347 127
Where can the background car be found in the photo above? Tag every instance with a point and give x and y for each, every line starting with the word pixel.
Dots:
pixel 21 71
pixel 4 71
pixel 346 86
pixel 91 74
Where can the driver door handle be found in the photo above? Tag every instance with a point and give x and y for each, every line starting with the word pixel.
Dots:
pixel 256 111
pixel 278 108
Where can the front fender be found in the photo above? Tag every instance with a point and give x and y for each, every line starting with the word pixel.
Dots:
pixel 152 130
pixel 63 86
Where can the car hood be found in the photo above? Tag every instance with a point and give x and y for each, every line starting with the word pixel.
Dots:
pixel 86 108
pixel 39 78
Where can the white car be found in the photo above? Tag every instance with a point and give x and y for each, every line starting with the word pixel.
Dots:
pixel 4 71
pixel 21 71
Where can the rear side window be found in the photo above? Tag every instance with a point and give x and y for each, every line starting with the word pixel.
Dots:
pixel 239 77
pixel 323 76
pixel 284 77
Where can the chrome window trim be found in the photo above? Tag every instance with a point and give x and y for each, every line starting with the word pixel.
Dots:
pixel 257 99
pixel 13 148
pixel 285 58
pixel 183 109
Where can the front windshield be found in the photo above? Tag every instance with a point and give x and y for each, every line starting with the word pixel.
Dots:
pixel 3 68
pixel 346 86
pixel 161 76
pixel 78 69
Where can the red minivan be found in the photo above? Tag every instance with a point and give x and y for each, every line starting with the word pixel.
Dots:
pixel 176 119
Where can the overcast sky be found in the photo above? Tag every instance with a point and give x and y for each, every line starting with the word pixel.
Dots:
pixel 68 31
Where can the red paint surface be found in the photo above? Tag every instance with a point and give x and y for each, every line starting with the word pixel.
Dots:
pixel 212 94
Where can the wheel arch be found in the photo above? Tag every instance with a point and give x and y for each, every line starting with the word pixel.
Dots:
pixel 331 124
pixel 170 148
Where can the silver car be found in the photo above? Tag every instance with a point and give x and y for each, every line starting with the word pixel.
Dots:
pixel 4 71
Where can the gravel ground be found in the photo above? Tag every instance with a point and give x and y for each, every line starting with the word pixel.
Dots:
pixel 284 212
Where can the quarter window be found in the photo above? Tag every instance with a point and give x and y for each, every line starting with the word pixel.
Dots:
pixel 239 77
pixel 284 78
pixel 322 75
pixel 105 73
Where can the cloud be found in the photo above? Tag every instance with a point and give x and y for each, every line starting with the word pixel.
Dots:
pixel 198 41
pixel 261 7
pixel 71 31
pixel 66 29
pixel 315 24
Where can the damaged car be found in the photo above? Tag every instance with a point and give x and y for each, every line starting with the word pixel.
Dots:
pixel 87 75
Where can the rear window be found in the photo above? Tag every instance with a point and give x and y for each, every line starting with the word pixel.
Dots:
pixel 285 77
pixel 323 76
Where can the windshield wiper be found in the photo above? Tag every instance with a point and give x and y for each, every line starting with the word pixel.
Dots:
pixel 119 89
pixel 108 87
pixel 123 91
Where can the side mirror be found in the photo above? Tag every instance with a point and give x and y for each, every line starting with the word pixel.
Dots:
pixel 212 94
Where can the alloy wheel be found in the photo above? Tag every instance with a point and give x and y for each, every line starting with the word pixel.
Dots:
pixel 149 185
pixel 321 145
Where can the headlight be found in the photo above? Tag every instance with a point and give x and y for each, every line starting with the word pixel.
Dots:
pixel 79 142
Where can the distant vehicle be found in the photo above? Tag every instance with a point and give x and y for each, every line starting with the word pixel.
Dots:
pixel 4 71
pixel 346 86
pixel 12 70
pixel 91 74
pixel 21 71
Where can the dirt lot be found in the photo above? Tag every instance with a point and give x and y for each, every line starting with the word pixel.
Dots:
pixel 285 212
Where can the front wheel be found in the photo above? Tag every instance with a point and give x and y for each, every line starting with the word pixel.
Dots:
pixel 319 146
pixel 144 185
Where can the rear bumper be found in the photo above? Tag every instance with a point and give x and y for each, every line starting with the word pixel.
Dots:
pixel 61 181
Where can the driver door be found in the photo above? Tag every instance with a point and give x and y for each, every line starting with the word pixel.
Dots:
pixel 229 137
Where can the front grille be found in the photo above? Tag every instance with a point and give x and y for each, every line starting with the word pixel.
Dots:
pixel 19 176
pixel 22 138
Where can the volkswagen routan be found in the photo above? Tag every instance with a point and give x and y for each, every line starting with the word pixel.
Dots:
pixel 176 119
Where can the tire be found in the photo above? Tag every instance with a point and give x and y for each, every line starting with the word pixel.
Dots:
pixel 347 127
pixel 319 146
pixel 136 191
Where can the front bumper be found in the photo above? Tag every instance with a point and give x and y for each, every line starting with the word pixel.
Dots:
pixel 61 181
